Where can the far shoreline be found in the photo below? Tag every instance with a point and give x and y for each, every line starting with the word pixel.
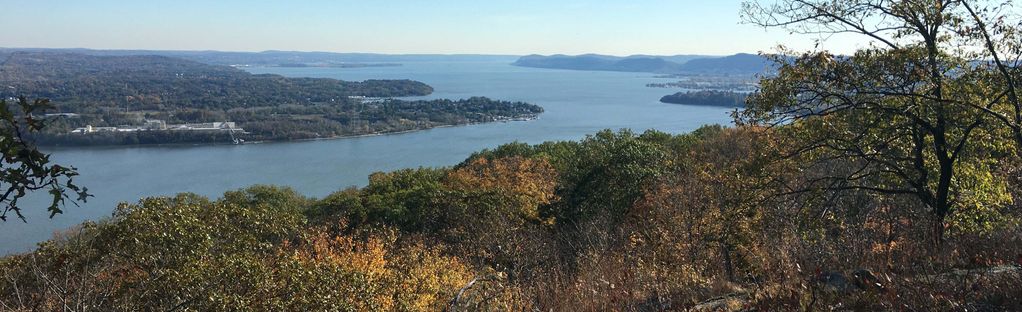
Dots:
pixel 48 148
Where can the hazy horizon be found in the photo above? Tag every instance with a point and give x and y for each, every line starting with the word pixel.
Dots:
pixel 656 27
pixel 364 52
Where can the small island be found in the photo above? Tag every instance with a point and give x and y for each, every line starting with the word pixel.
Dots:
pixel 707 97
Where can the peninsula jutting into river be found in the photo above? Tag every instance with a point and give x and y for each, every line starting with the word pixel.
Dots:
pixel 121 96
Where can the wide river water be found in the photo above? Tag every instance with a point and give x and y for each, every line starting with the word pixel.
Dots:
pixel 577 103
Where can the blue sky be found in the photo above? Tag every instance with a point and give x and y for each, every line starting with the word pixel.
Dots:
pixel 396 26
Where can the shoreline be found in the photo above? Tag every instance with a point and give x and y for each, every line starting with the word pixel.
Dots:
pixel 336 137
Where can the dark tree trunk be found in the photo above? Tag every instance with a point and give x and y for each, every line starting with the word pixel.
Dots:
pixel 725 253
pixel 942 202
pixel 939 222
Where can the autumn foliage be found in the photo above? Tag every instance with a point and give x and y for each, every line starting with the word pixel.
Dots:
pixel 616 221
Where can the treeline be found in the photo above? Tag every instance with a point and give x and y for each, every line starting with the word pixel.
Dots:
pixel 707 97
pixel 617 221
pixel 292 122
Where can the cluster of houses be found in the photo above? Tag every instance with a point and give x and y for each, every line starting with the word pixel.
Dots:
pixel 367 100
pixel 156 125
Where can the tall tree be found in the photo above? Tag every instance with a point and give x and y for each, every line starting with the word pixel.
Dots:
pixel 915 113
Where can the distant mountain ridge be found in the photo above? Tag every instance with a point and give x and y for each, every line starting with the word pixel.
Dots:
pixel 634 63
pixel 662 64
pixel 273 57
pixel 741 63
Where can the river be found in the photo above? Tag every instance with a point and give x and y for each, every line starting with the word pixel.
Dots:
pixel 577 103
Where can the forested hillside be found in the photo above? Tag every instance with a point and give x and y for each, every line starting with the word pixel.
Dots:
pixel 742 63
pixel 617 221
pixel 79 82
pixel 128 90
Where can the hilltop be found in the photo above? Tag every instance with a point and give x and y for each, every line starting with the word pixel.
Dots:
pixel 741 63
pixel 150 82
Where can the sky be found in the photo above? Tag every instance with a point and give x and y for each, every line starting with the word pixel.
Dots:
pixel 625 27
